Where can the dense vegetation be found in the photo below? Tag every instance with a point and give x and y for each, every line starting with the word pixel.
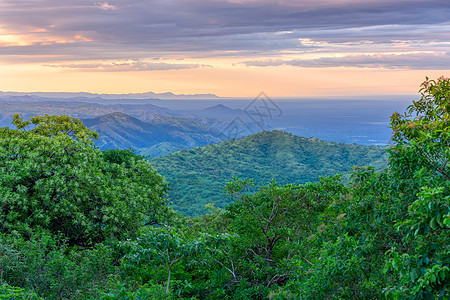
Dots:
pixel 385 235
pixel 198 176
pixel 52 177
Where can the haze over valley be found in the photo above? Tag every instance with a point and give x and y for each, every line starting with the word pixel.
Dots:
pixel 155 126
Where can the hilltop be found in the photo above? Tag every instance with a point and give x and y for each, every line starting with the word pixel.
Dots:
pixel 221 110
pixel 198 176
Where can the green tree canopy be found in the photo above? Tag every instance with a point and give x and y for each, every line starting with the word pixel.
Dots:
pixel 420 164
pixel 52 177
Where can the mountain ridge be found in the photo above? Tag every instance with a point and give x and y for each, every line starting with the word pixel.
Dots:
pixel 144 95
pixel 120 130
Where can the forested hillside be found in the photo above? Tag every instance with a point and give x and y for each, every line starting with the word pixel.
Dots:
pixel 198 176
pixel 77 222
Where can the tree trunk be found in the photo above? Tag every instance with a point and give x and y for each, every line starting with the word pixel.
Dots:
pixel 168 279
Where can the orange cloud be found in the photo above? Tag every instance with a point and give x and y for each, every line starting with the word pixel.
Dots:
pixel 35 37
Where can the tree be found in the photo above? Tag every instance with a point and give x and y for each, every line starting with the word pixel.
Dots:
pixel 161 247
pixel 269 222
pixel 53 177
pixel 420 162
pixel 422 135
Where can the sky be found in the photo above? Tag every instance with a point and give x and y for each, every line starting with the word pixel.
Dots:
pixel 231 48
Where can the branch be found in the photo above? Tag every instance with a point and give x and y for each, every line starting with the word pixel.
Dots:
pixel 229 270
pixel 276 279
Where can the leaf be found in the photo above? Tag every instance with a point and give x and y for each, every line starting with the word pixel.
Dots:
pixel 447 221
pixel 433 278
pixel 433 223
pixel 413 274
pixel 396 263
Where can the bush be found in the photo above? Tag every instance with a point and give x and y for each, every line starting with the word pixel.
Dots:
pixel 47 266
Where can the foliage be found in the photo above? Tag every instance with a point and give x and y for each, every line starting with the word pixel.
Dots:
pixel 197 176
pixel 424 130
pixel 48 267
pixel 51 126
pixel 420 159
pixel 52 177
pixel 160 247
pixel 119 156
pixel 215 221
pixel 241 252
pixel 273 219
pixel 15 293
pixel 342 256
pixel 145 292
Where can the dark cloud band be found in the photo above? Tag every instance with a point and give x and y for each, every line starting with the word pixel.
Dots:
pixel 93 30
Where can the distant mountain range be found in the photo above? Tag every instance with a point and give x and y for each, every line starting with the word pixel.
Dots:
pixel 198 176
pixel 150 129
pixel 74 108
pixel 157 136
pixel 360 122
pixel 146 95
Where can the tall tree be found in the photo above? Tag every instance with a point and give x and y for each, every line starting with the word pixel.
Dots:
pixel 420 161
pixel 52 177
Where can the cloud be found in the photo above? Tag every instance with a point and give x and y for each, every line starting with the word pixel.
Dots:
pixel 113 30
pixel 106 6
pixel 126 66
pixel 417 61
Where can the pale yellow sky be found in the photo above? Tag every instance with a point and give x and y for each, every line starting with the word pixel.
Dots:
pixel 225 81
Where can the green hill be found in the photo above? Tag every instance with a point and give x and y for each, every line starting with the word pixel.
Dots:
pixel 198 176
